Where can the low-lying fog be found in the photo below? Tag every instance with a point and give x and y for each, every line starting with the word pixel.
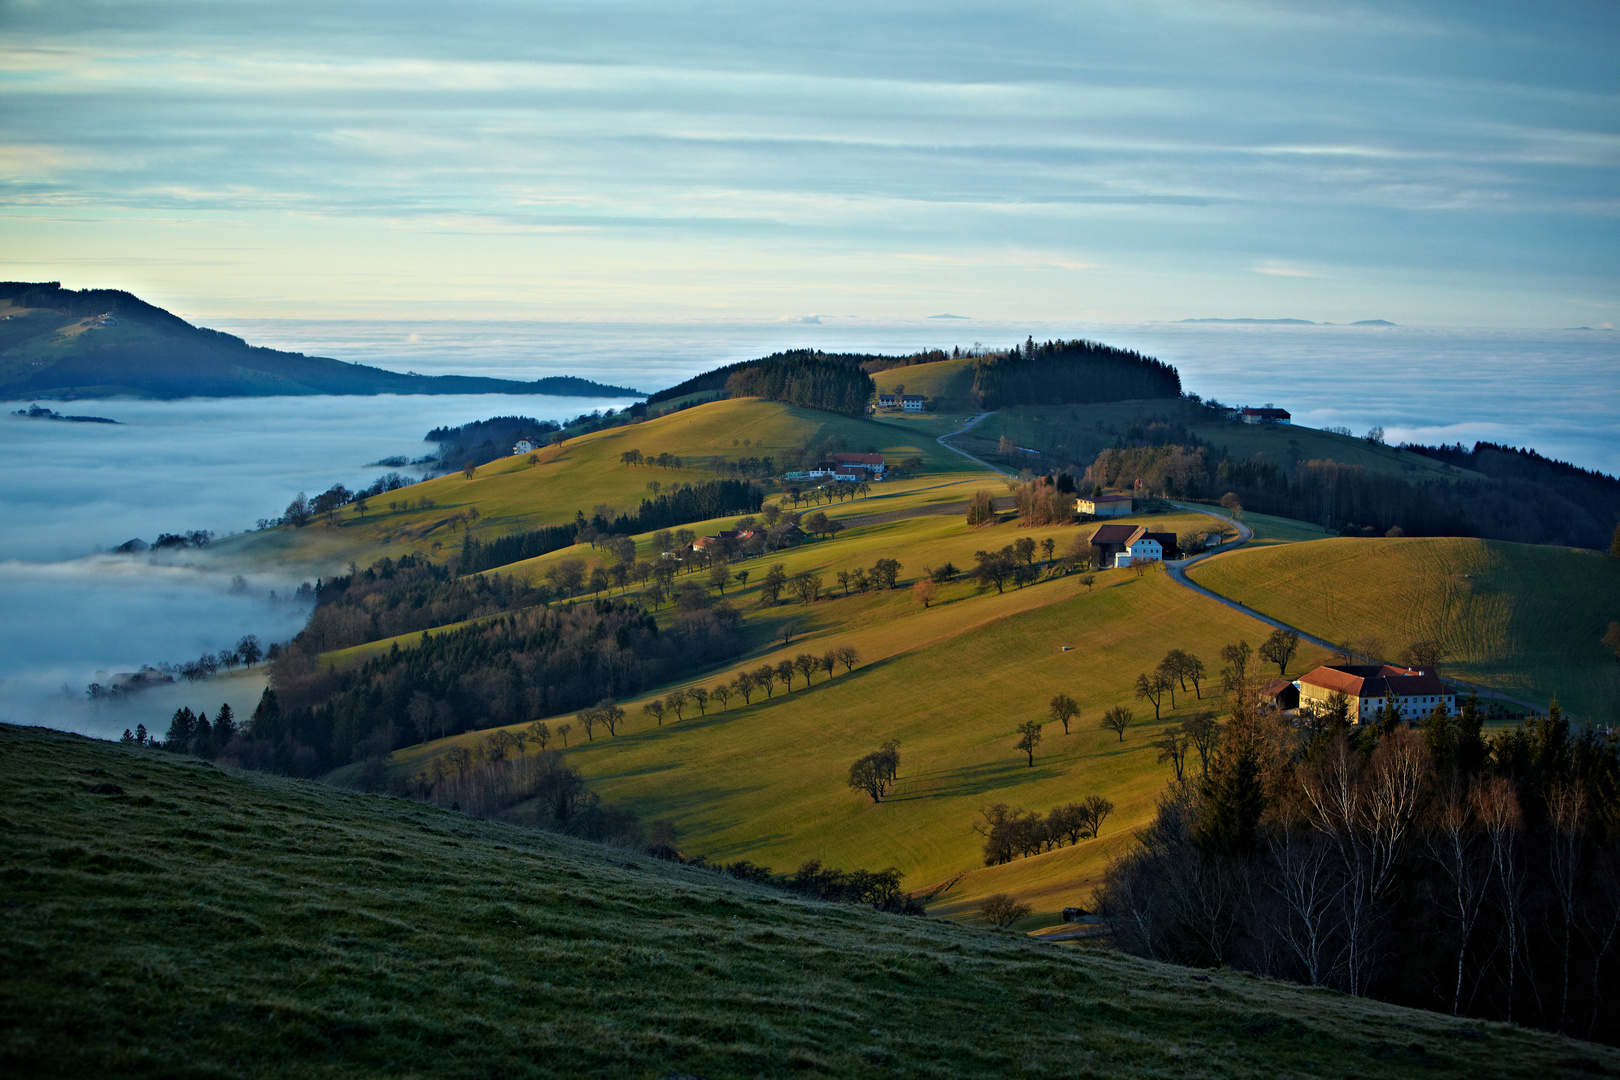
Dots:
pixel 72 613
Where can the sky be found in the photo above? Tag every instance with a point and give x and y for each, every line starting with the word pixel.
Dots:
pixel 1432 164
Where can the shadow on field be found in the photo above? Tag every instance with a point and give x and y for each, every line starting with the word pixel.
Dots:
pixel 977 779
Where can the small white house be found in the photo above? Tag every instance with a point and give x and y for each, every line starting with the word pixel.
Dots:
pixel 911 403
pixel 1103 505
pixel 524 446
pixel 888 401
pixel 1144 550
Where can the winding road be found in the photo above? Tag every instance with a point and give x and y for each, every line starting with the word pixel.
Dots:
pixel 1177 569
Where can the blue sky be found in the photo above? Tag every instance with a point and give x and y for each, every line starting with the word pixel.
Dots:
pixel 1430 164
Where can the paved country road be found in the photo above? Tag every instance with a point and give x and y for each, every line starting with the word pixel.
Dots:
pixel 1177 570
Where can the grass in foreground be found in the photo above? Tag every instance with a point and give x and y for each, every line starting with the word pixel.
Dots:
pixel 1520 618
pixel 212 923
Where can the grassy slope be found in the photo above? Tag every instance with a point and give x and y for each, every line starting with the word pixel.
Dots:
pixel 1084 431
pixel 766 782
pixel 512 495
pixel 949 382
pixel 1520 618
pixel 214 923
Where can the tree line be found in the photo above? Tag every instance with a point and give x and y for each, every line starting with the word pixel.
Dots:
pixel 1010 833
pixel 1425 864
pixel 807 379
pixel 1070 371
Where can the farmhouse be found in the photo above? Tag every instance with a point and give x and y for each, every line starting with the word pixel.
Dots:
pixel 912 403
pixel 888 401
pixel 723 541
pixel 1416 692
pixel 1103 505
pixel 1267 415
pixel 870 463
pixel 524 446
pixel 1119 545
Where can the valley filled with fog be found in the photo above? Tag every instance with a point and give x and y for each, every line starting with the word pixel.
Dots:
pixel 74 612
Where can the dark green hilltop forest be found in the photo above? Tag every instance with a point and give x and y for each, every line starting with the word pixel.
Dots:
pixel 65 343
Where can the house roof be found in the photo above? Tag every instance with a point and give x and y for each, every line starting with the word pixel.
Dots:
pixel 1376 680
pixel 1116 534
pixel 1275 687
pixel 1269 414
pixel 1105 498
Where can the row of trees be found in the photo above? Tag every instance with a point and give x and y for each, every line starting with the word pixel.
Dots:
pixel 246 651
pixel 1010 833
pixel 746 684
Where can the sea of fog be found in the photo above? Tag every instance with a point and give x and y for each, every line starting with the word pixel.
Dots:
pixel 70 613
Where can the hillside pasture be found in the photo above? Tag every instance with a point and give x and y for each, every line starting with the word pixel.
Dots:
pixel 1519 618
pixel 197 921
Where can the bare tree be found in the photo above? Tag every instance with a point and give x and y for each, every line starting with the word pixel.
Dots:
pixel 722 694
pixel 1152 688
pixel 849 656
pixel 655 709
pixel 806 665
pixel 1201 729
pixel 677 702
pixel 828 662
pixel 746 684
pixel 699 696
pixel 1117 720
pixel 784 672
pixel 1280 648
pixel 1172 747
pixel 1452 845
pixel 1063 708
pixel 1001 910
pixel 1497 806
pixel 1029 733
pixel 1235 675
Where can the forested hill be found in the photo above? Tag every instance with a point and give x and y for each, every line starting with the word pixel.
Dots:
pixel 57 342
pixel 1071 372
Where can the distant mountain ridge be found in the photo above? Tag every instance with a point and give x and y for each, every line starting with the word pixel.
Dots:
pixel 1294 322
pixel 66 343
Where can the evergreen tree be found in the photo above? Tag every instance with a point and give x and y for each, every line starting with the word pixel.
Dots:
pixel 181 726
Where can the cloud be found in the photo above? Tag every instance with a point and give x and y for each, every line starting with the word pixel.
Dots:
pixel 1278 269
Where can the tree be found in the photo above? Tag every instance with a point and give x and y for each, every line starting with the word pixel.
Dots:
pixel 786 631
pixel 1425 655
pixel 844 580
pixel 886 573
pixel 722 694
pixel 765 678
pixel 1152 688
pixel 849 656
pixel 1169 672
pixel 784 672
pixel 1001 910
pixel 1063 708
pixel 942 575
pixel 468 469
pixel 1202 729
pixel 1117 720
pixel 870 774
pixel 1230 502
pixel 806 665
pixel 1280 648
pixel 828 662
pixel 1024 549
pixel 676 703
pixel 540 733
pixel 1088 580
pixel 746 684
pixel 1172 747
pixel 248 649
pixel 1029 737
pixel 807 586
pixel 1192 669
pixel 770 587
pixel 923 591
pixel 1097 811
pixel 699 696
pixel 1047 547
pixel 982 510
pixel 1235 675
pixel 562 733
pixel 993 568
pixel 299 511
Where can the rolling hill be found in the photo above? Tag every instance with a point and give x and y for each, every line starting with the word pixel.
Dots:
pixel 1520 618
pixel 62 343
pixel 167 918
